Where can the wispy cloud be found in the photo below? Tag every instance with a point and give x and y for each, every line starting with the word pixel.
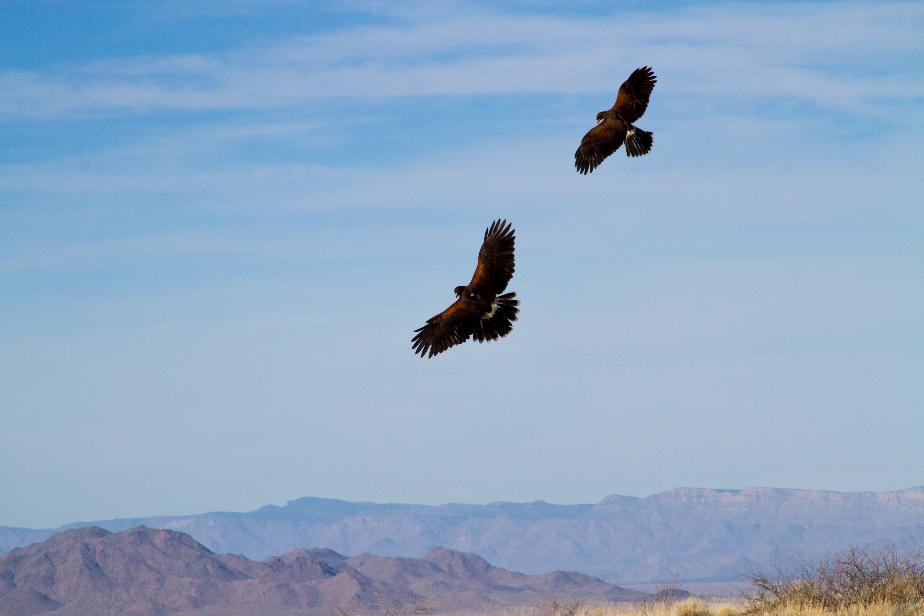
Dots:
pixel 861 60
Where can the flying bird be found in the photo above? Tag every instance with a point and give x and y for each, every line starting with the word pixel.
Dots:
pixel 482 310
pixel 615 125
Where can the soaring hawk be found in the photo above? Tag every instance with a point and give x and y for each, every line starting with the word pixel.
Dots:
pixel 615 125
pixel 480 311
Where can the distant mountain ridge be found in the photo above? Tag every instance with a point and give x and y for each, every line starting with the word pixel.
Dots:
pixel 684 534
pixel 149 572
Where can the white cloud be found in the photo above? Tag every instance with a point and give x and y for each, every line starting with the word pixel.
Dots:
pixel 833 55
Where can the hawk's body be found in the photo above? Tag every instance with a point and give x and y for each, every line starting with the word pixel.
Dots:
pixel 482 310
pixel 615 126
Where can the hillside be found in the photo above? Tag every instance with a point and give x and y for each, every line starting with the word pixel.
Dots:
pixel 685 534
pixel 147 572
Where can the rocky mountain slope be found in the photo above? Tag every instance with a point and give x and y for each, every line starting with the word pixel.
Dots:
pixel 685 534
pixel 143 572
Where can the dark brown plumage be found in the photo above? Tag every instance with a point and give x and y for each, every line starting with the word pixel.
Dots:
pixel 482 310
pixel 615 125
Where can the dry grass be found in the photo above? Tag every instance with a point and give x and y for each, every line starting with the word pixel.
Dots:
pixel 877 609
pixel 689 607
pixel 855 583
pixel 881 583
pixel 695 607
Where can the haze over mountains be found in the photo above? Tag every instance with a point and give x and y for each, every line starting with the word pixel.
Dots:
pixel 685 534
pixel 144 572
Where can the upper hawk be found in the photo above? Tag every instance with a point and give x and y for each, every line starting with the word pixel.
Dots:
pixel 480 311
pixel 616 125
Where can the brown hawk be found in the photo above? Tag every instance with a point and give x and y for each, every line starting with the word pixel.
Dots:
pixel 615 125
pixel 480 311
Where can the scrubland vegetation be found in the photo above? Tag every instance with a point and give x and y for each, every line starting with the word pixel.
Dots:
pixel 694 607
pixel 688 607
pixel 855 583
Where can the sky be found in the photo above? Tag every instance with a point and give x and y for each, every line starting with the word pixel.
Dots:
pixel 220 223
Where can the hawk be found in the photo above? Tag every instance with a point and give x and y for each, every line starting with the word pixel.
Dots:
pixel 482 310
pixel 615 125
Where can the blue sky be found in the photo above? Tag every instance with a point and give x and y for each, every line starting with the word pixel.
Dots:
pixel 220 223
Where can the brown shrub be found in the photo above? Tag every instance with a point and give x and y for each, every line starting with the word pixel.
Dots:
pixel 691 607
pixel 855 578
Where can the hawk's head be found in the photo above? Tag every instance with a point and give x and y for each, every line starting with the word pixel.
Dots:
pixel 600 116
pixel 465 292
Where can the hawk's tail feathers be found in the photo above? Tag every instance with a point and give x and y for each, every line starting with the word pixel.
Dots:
pixel 500 323
pixel 638 142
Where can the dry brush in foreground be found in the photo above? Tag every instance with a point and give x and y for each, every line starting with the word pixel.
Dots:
pixel 856 582
pixel 695 607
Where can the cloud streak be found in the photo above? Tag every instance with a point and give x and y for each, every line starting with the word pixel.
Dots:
pixel 736 55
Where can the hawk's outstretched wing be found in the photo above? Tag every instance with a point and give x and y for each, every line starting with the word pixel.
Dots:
pixel 632 99
pixel 450 327
pixel 481 311
pixel 599 142
pixel 495 259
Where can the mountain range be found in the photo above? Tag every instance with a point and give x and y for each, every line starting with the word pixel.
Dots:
pixel 148 572
pixel 682 535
